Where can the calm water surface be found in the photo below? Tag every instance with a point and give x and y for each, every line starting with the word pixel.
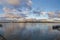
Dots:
pixel 33 31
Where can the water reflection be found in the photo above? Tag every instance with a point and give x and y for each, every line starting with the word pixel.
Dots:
pixel 31 31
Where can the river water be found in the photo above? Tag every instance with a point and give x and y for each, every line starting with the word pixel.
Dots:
pixel 34 31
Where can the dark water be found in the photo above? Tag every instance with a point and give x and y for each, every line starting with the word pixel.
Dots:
pixel 33 31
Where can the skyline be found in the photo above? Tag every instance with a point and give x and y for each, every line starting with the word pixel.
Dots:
pixel 29 8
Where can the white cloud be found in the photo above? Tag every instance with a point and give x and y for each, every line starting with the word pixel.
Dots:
pixel 51 14
pixel 54 14
pixel 1 1
pixel 6 10
pixel 43 13
pixel 14 13
pixel 1 15
pixel 29 2
pixel 16 2
pixel 13 2
pixel 16 7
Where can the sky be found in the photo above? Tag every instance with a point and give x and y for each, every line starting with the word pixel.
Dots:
pixel 47 5
pixel 29 8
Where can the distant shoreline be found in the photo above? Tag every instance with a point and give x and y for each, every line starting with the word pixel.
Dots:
pixel 29 22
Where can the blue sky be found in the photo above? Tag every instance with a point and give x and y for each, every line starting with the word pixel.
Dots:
pixel 31 5
pixel 47 5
